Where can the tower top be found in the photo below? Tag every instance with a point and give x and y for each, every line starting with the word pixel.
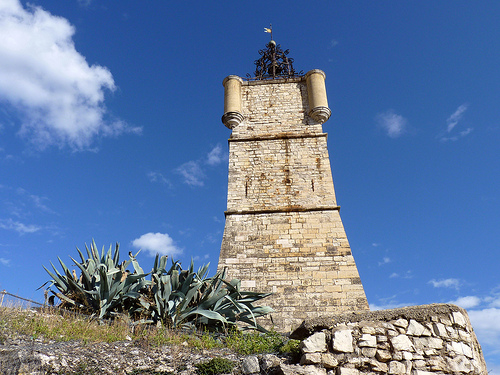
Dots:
pixel 274 63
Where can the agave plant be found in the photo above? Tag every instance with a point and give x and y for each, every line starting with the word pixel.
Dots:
pixel 185 298
pixel 103 285
pixel 174 297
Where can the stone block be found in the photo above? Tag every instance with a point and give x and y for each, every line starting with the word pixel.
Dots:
pixel 396 368
pixel 367 340
pixel 383 355
pixel 328 360
pixel 459 319
pixel 402 343
pixel 310 359
pixel 315 343
pixel 347 371
pixel 417 329
pixel 342 341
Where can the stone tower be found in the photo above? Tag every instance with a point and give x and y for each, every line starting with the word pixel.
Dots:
pixel 283 232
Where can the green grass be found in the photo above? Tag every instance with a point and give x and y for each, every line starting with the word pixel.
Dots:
pixel 61 326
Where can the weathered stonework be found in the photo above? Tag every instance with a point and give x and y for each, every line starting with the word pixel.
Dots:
pixel 418 340
pixel 283 230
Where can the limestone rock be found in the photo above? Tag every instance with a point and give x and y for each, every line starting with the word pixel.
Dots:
pixel 369 352
pixel 396 368
pixel 301 370
pixel 314 343
pixel 328 360
pixel 310 359
pixel 269 361
pixel 347 371
pixel 367 340
pixel 250 365
pixel 417 329
pixel 383 355
pixel 402 342
pixel 342 341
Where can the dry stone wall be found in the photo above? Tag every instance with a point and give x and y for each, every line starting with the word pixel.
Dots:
pixel 283 231
pixel 422 340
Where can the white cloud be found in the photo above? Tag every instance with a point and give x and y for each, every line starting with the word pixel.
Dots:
pixel 159 177
pixel 157 243
pixel 19 227
pixel 395 125
pixel 215 157
pixel 4 261
pixel 446 283
pixel 453 120
pixel 385 260
pixel 192 173
pixel 486 323
pixel 59 97
pixel 451 123
pixel 467 302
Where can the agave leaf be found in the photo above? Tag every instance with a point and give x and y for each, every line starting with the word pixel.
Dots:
pixel 116 257
pixel 202 271
pixel 58 281
pixel 81 255
pixel 155 264
pixel 63 297
pixel 104 286
pixel 186 285
pixel 137 267
pixel 174 279
pixel 62 265
pixel 87 281
pixel 207 313
pixel 163 263
pixel 89 253
pixel 253 325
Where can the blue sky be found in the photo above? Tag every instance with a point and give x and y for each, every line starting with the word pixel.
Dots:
pixel 110 129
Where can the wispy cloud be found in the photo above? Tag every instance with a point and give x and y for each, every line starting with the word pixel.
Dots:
pixel 158 178
pixel 445 283
pixel 157 243
pixel 215 156
pixel 466 302
pixel 393 124
pixel 9 224
pixel 192 173
pixel 4 261
pixel 38 201
pixel 385 260
pixel 406 275
pixel 451 122
pixel 455 117
pixel 57 95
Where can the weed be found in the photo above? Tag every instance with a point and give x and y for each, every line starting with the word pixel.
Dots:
pixel 215 366
pixel 253 343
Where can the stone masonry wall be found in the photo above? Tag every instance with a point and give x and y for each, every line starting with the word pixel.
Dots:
pixel 422 340
pixel 283 231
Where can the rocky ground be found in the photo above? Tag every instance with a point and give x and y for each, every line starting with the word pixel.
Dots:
pixel 24 355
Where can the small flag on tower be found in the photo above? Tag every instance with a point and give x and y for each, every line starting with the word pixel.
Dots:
pixel 266 30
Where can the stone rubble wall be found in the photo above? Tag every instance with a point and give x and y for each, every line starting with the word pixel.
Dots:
pixel 421 340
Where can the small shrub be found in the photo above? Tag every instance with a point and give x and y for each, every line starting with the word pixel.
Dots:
pixel 254 343
pixel 292 349
pixel 215 366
